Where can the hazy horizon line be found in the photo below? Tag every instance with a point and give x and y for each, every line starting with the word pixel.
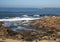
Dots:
pixel 29 7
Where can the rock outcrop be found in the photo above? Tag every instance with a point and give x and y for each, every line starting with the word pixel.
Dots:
pixel 46 23
pixel 49 24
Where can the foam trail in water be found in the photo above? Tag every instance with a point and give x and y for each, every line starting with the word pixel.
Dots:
pixel 18 19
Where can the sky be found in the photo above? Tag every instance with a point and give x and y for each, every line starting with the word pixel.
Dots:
pixel 30 3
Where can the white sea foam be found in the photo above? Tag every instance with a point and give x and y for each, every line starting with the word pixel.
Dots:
pixel 37 15
pixel 18 19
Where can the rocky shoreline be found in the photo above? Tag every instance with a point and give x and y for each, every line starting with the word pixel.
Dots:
pixel 49 24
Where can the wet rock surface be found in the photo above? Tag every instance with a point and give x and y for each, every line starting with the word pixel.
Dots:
pixel 50 24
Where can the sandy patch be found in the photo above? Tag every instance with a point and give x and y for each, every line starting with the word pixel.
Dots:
pixel 11 40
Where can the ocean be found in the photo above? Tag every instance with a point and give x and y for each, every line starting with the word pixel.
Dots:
pixel 18 12
pixel 25 13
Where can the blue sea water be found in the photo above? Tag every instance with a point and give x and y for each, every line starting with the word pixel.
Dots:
pixel 18 12
pixel 5 12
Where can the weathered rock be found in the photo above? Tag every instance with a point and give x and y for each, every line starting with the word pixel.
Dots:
pixel 49 23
